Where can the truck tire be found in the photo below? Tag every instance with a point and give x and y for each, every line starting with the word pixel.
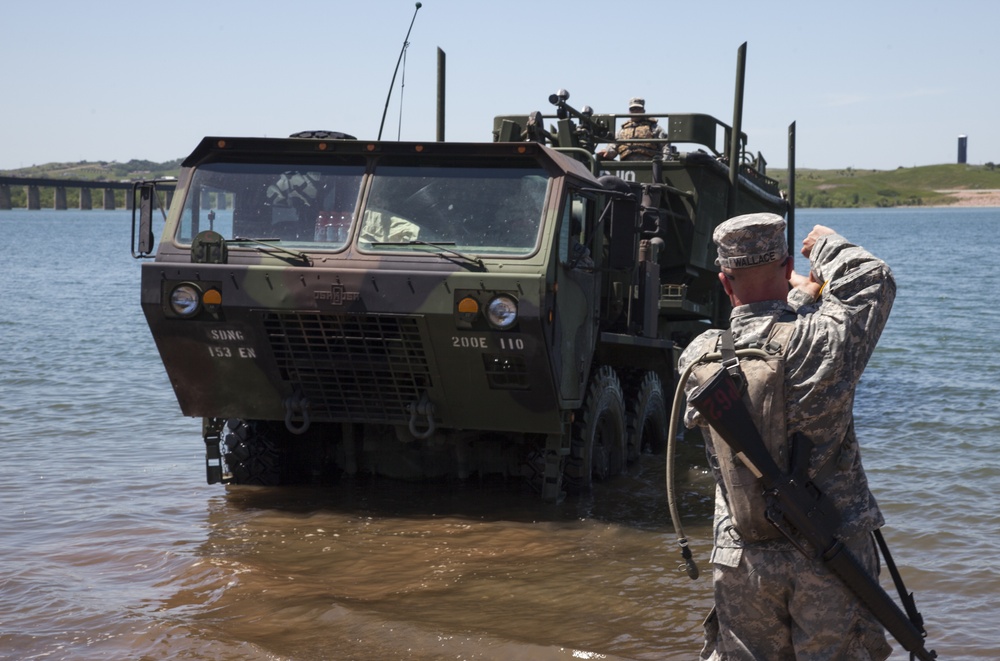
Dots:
pixel 597 448
pixel 250 450
pixel 647 418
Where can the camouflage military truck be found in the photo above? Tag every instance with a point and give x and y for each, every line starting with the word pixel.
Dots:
pixel 418 310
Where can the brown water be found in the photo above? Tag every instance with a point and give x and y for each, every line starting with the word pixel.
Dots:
pixel 112 546
pixel 384 570
pixel 363 570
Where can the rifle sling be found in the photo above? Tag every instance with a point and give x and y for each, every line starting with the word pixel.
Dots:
pixel 905 597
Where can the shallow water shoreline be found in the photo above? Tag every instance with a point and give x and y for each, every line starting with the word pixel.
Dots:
pixel 114 547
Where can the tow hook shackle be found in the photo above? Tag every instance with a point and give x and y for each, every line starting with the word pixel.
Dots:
pixel 297 406
pixel 422 407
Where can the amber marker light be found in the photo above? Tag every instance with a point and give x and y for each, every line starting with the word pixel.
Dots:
pixel 419 148
pixel 468 309
pixel 521 150
pixel 221 144
pixel 212 297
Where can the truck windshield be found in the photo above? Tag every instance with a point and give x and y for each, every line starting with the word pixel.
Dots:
pixel 494 210
pixel 307 206
pixel 473 209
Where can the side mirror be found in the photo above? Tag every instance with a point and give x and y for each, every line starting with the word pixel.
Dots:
pixel 147 192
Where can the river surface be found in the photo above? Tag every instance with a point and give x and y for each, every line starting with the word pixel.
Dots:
pixel 113 547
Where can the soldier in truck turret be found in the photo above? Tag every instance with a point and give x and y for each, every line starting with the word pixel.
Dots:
pixel 638 128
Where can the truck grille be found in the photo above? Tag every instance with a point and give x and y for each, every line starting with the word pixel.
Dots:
pixel 359 367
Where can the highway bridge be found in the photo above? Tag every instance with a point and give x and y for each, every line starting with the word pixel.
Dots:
pixel 105 192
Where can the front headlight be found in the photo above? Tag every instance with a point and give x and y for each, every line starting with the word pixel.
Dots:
pixel 501 312
pixel 185 300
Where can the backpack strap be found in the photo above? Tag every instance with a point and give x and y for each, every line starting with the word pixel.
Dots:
pixel 730 362
pixel 776 344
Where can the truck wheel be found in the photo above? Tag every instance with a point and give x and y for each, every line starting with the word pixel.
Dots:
pixel 597 449
pixel 647 418
pixel 250 450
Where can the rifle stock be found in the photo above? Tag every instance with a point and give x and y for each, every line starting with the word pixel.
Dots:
pixel 797 508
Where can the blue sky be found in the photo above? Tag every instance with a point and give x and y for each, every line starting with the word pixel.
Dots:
pixel 877 84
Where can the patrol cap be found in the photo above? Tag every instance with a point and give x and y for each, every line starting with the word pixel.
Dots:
pixel 753 239
pixel 637 102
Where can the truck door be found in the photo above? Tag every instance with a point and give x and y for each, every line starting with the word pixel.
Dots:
pixel 576 300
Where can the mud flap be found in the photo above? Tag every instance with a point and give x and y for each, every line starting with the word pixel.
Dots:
pixel 556 451
pixel 211 431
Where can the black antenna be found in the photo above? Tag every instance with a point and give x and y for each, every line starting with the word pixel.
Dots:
pixel 406 42
pixel 402 91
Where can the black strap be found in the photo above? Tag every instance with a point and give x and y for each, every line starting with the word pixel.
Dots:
pixel 727 347
pixel 909 604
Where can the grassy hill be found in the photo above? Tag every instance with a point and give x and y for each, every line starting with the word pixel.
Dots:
pixel 88 171
pixel 100 170
pixel 886 188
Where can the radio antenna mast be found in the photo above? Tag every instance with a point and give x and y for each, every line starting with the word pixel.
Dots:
pixel 406 42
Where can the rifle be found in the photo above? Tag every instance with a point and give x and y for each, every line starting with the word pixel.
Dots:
pixel 797 508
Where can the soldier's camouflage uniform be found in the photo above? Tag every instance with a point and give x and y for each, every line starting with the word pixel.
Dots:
pixel 771 601
pixel 638 129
